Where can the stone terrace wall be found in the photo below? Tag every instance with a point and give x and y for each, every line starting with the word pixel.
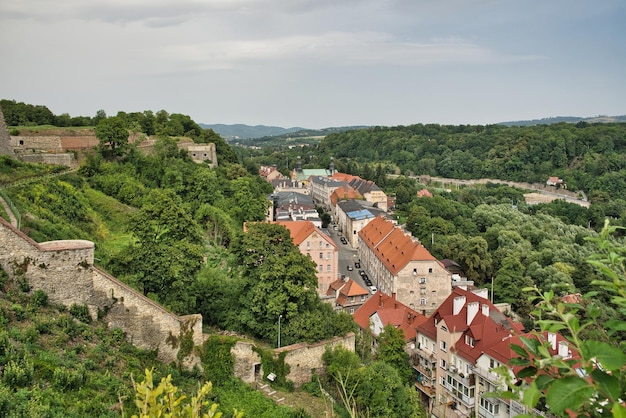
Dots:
pixel 56 159
pixel 40 143
pixel 65 271
pixel 305 359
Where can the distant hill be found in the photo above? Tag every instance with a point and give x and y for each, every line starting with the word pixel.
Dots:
pixel 566 119
pixel 241 131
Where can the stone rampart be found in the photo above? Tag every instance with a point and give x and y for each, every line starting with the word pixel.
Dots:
pixel 306 359
pixel 247 365
pixel 40 143
pixel 65 159
pixel 65 271
pixel 5 139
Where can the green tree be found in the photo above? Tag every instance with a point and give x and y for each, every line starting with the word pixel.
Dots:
pixel 590 383
pixel 391 351
pixel 112 135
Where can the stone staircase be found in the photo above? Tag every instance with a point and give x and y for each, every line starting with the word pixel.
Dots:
pixel 271 393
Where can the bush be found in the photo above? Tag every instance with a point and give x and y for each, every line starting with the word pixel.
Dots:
pixel 39 298
pixel 81 312
pixel 64 379
pixel 18 374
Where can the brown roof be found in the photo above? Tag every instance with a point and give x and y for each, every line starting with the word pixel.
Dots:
pixel 344 192
pixel 391 312
pixel 301 230
pixel 393 247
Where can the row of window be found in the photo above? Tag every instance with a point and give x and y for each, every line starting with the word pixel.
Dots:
pixel 320 268
pixel 321 244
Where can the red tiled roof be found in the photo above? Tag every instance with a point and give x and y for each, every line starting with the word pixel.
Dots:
pixel 488 329
pixel 391 312
pixel 344 177
pixel 392 246
pixel 344 192
pixel 424 193
pixel 301 230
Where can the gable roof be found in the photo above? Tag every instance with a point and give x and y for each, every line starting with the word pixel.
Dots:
pixel 392 246
pixel 301 230
pixel 390 312
pixel 344 192
pixel 343 289
pixel 488 326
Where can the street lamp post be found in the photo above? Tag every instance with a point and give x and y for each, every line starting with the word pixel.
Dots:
pixel 279 316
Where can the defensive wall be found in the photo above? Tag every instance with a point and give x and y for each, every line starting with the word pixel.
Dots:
pixel 65 271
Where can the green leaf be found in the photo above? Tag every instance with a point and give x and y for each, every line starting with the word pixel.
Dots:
pixel 526 372
pixel 519 362
pixel 568 393
pixel 618 410
pixel 616 325
pixel 609 385
pixel 519 350
pixel 532 344
pixel 531 395
pixel 611 358
pixel 543 381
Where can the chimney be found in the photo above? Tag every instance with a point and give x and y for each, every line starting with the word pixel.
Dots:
pixel 552 340
pixel 485 309
pixel 472 310
pixel 564 350
pixel 458 304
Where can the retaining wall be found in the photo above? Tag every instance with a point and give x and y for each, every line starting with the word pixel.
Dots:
pixel 65 271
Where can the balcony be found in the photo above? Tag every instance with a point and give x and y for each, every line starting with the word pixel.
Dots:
pixel 459 396
pixel 429 390
pixel 487 375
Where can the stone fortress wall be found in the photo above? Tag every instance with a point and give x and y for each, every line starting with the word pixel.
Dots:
pixel 65 271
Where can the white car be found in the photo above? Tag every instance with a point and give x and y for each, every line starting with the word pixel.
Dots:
pixel 372 289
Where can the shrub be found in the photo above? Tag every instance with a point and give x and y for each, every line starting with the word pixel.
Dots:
pixel 18 312
pixel 81 312
pixel 39 298
pixel 64 379
pixel 18 374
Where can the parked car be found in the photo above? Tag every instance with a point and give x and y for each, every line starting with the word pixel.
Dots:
pixel 362 273
pixel 372 289
pixel 349 267
pixel 368 282
pixel 357 265
pixel 343 240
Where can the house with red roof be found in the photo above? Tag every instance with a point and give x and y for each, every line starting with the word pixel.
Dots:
pixel 381 310
pixel 458 348
pixel 399 264
pixel 348 295
pixel 320 247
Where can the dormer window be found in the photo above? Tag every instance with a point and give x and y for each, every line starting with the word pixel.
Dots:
pixel 469 341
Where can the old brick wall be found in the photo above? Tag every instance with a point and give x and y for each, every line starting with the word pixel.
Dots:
pixel 65 271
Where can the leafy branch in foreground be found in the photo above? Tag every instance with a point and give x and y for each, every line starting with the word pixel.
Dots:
pixel 592 380
pixel 164 400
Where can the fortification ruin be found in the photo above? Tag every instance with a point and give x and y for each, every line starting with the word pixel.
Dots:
pixel 65 271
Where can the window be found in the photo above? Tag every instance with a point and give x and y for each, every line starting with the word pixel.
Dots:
pixel 489 407
pixel 443 364
pixel 308 245
pixel 430 270
pixel 423 301
pixel 351 310
pixel 321 256
pixel 320 244
pixel 444 346
pixel 320 268
pixel 469 341
pixel 422 280
pixel 327 256
pixel 422 290
pixel 328 268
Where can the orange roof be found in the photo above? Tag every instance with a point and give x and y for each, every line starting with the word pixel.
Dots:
pixel 344 177
pixel 424 193
pixel 301 230
pixel 344 192
pixel 392 246
pixel 391 312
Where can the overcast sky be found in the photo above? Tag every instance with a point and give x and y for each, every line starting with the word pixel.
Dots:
pixel 318 63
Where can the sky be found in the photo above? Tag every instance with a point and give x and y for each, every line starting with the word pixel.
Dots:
pixel 318 63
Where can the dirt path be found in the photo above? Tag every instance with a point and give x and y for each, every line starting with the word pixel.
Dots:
pixel 7 209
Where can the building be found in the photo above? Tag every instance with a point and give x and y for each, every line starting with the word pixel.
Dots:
pixel 452 344
pixel 346 295
pixel 353 215
pixel 367 188
pixel 399 264
pixel 311 241
pixel 270 173
pixel 381 310
pixel 322 188
pixel 293 206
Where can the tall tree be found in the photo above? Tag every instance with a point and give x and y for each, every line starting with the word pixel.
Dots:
pixel 112 135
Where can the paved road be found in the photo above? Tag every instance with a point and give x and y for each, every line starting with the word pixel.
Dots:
pixel 347 256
